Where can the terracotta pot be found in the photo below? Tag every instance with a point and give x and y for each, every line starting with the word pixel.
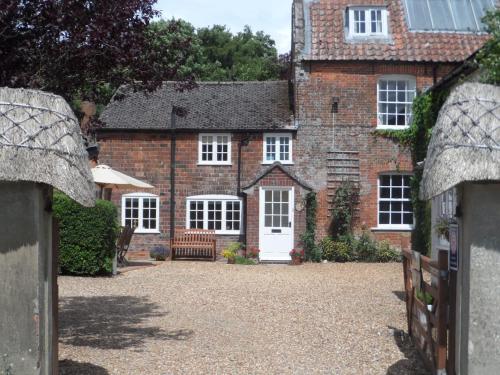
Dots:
pixel 296 261
pixel 231 260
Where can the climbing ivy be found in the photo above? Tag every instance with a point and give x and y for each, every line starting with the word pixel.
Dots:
pixel 425 112
pixel 344 202
pixel 312 251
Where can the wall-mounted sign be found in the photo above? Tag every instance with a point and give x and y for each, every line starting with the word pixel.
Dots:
pixel 453 257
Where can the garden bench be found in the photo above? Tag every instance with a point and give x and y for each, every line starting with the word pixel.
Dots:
pixel 194 244
pixel 123 243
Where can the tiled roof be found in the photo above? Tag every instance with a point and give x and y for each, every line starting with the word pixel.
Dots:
pixel 210 106
pixel 325 39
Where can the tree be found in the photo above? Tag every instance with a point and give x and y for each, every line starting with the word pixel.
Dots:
pixel 489 56
pixel 84 50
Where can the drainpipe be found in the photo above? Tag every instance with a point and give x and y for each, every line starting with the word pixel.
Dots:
pixel 173 143
pixel 243 142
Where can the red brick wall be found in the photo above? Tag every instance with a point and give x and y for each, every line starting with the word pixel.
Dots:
pixel 147 156
pixel 355 84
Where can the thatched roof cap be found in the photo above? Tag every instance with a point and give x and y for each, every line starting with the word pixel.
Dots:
pixel 465 143
pixel 40 141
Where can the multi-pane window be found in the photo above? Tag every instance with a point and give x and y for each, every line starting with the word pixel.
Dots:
pixel 395 97
pixel 394 202
pixel 219 213
pixel 214 149
pixel 277 209
pixel 277 147
pixel 367 22
pixel 141 211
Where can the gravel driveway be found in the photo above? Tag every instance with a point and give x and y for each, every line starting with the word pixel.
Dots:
pixel 213 318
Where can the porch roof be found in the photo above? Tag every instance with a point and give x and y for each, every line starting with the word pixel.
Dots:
pixel 285 170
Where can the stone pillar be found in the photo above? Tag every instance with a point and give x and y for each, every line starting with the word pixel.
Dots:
pixel 27 334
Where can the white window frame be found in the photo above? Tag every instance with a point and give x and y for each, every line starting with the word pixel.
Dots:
pixel 395 227
pixel 219 198
pixel 141 196
pixel 412 87
pixel 214 149
pixel 368 22
pixel 277 148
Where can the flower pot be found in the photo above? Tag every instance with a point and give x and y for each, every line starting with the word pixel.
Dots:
pixel 296 261
pixel 231 260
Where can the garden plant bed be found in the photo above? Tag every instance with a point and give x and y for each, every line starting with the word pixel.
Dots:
pixel 208 318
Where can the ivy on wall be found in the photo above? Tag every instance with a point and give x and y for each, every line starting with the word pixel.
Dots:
pixel 425 112
pixel 312 251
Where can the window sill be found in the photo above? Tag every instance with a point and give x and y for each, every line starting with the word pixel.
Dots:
pixel 282 162
pixel 215 164
pixel 138 231
pixel 392 228
pixel 392 127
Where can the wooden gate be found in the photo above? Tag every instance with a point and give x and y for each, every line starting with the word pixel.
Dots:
pixel 430 310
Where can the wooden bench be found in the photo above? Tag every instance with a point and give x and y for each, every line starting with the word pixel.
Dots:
pixel 193 244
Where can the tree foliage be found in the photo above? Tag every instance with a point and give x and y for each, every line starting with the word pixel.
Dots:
pixel 489 56
pixel 85 49
pixel 217 54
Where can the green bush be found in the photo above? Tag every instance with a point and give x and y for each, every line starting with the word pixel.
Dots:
pixel 366 248
pixel 335 251
pixel 385 253
pixel 87 236
pixel 361 249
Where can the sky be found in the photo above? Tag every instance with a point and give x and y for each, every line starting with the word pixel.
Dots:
pixel 271 16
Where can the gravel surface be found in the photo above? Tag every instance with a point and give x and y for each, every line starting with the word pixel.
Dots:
pixel 213 318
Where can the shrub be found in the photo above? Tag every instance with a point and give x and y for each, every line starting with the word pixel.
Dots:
pixel 385 253
pixel 159 253
pixel 366 248
pixel 87 236
pixel 335 251
pixel 231 250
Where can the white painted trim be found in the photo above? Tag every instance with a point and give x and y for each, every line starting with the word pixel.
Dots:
pixel 214 149
pixel 277 144
pixel 395 77
pixel 140 196
pixel 392 227
pixel 262 216
pixel 221 198
pixel 368 20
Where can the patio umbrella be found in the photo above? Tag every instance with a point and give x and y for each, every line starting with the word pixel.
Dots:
pixel 105 177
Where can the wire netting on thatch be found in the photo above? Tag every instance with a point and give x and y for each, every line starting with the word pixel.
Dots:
pixel 465 143
pixel 40 141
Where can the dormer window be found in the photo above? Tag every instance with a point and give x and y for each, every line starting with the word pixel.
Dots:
pixel 367 21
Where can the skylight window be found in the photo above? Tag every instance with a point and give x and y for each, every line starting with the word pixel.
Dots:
pixel 367 21
pixel 447 15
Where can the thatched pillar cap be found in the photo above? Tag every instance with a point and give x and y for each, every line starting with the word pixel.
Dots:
pixel 40 141
pixel 465 143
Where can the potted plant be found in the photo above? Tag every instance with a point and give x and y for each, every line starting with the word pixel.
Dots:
pixel 442 227
pixel 231 251
pixel 297 256
pixel 426 298
pixel 159 253
pixel 253 253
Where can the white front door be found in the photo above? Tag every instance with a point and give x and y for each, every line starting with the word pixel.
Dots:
pixel 276 223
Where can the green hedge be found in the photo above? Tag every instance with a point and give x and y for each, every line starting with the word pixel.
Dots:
pixel 87 236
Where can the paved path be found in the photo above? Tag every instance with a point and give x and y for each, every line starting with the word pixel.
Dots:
pixel 213 318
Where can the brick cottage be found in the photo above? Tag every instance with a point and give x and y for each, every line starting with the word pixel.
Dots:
pixel 247 153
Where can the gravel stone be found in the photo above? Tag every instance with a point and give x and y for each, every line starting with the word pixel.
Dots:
pixel 214 318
